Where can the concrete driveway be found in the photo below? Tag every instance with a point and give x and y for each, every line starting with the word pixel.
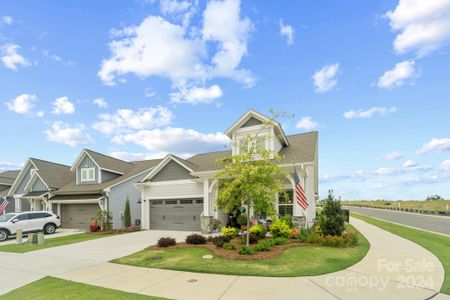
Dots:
pixel 394 268
pixel 59 233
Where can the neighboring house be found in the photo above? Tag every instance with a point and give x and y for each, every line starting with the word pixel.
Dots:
pixel 180 194
pixel 6 181
pixel 35 183
pixel 100 182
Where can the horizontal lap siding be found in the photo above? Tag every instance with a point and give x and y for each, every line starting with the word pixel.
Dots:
pixel 181 190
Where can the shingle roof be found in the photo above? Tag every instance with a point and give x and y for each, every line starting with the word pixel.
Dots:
pixel 301 149
pixel 8 177
pixel 34 194
pixel 77 197
pixel 109 163
pixel 136 168
pixel 54 175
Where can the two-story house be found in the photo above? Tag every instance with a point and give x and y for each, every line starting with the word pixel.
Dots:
pixel 180 194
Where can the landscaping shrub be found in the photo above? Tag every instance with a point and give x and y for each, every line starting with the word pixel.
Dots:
pixel 220 240
pixel 280 241
pixel 195 239
pixel 351 239
pixel 127 214
pixel 258 230
pixel 228 246
pixel 294 232
pixel 331 220
pixel 305 234
pixel 244 250
pixel 264 246
pixel 165 242
pixel 287 220
pixel 242 219
pixel 279 228
pixel 252 239
pixel 209 239
pixel 230 232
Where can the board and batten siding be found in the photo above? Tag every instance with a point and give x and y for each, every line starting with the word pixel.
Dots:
pixel 21 187
pixel 108 175
pixel 87 162
pixel 38 185
pixel 172 171
pixel 118 196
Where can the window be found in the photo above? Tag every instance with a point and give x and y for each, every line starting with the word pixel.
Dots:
pixel 171 202
pixel 286 203
pixel 39 216
pixel 185 201
pixel 87 174
pixel 23 217
pixel 247 143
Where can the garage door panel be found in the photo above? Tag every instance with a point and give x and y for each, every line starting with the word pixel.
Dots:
pixel 78 216
pixel 183 214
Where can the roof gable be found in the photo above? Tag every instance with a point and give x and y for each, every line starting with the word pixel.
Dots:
pixel 187 165
pixel 23 176
pixel 103 162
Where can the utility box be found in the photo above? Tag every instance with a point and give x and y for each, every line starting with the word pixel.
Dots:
pixel 18 236
pixel 40 239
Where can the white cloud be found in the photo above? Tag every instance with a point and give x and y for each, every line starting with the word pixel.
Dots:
pixel 40 114
pixel 7 20
pixel 128 119
pixel 62 106
pixel 307 123
pixel 288 32
pixel 22 104
pixel 367 114
pixel 4 166
pixel 57 58
pixel 222 24
pixel 70 135
pixel 422 26
pixel 149 92
pixel 196 95
pixel 397 76
pixel 100 102
pixel 438 145
pixel 175 140
pixel 183 10
pixel 446 165
pixel 325 78
pixel 11 58
pixel 157 47
pixel 386 171
pixel 410 164
pixel 395 155
pixel 134 156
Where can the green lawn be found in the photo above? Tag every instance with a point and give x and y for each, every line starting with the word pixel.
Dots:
pixel 433 205
pixel 52 242
pixel 439 245
pixel 50 288
pixel 299 261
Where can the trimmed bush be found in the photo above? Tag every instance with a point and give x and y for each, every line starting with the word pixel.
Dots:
pixel 258 230
pixel 252 239
pixel 351 239
pixel 195 239
pixel 305 234
pixel 220 240
pixel 244 250
pixel 165 242
pixel 287 220
pixel 332 218
pixel 264 246
pixel 280 241
pixel 229 246
pixel 279 228
pixel 230 232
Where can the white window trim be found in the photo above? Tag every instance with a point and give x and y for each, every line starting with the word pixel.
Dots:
pixel 87 170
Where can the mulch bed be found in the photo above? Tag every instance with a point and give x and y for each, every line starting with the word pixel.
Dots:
pixel 233 254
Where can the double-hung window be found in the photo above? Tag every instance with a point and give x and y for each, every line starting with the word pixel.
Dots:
pixel 87 174
pixel 286 203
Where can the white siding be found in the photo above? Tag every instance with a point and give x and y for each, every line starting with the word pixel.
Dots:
pixel 170 190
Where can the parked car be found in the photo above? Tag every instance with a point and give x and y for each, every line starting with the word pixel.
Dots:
pixel 36 221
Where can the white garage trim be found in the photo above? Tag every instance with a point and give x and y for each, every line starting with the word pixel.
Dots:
pixel 86 201
pixel 175 197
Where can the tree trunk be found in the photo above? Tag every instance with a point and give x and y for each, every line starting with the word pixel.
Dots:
pixel 247 242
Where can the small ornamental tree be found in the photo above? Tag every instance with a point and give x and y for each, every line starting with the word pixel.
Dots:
pixel 127 214
pixel 251 179
pixel 332 218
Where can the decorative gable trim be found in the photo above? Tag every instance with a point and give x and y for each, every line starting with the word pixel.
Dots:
pixel 20 177
pixel 162 164
pixel 80 159
pixel 33 178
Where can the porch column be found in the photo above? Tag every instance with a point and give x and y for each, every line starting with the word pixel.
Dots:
pixel 18 206
pixel 206 204
pixel 59 209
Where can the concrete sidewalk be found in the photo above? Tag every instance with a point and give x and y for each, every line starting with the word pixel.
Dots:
pixel 394 268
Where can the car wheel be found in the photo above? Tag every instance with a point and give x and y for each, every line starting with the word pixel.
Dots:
pixel 3 235
pixel 49 229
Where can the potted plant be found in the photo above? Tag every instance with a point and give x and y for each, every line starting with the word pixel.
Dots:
pixel 242 221
pixel 105 218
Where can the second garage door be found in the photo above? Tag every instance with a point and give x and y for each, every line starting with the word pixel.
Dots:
pixel 183 214
pixel 78 216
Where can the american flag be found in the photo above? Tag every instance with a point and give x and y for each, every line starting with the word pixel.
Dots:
pixel 4 205
pixel 300 192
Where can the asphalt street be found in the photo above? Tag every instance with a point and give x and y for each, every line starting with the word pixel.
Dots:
pixel 439 224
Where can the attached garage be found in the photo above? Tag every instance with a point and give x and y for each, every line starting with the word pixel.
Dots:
pixel 176 214
pixel 78 216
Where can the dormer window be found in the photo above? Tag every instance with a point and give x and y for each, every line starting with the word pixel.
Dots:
pixel 255 144
pixel 87 174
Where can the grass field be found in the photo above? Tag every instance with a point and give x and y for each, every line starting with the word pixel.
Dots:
pixel 53 242
pixel 50 288
pixel 439 245
pixel 299 261
pixel 432 205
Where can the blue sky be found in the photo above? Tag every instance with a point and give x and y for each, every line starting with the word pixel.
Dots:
pixel 138 79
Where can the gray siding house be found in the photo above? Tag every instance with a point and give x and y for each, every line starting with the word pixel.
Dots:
pixel 7 179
